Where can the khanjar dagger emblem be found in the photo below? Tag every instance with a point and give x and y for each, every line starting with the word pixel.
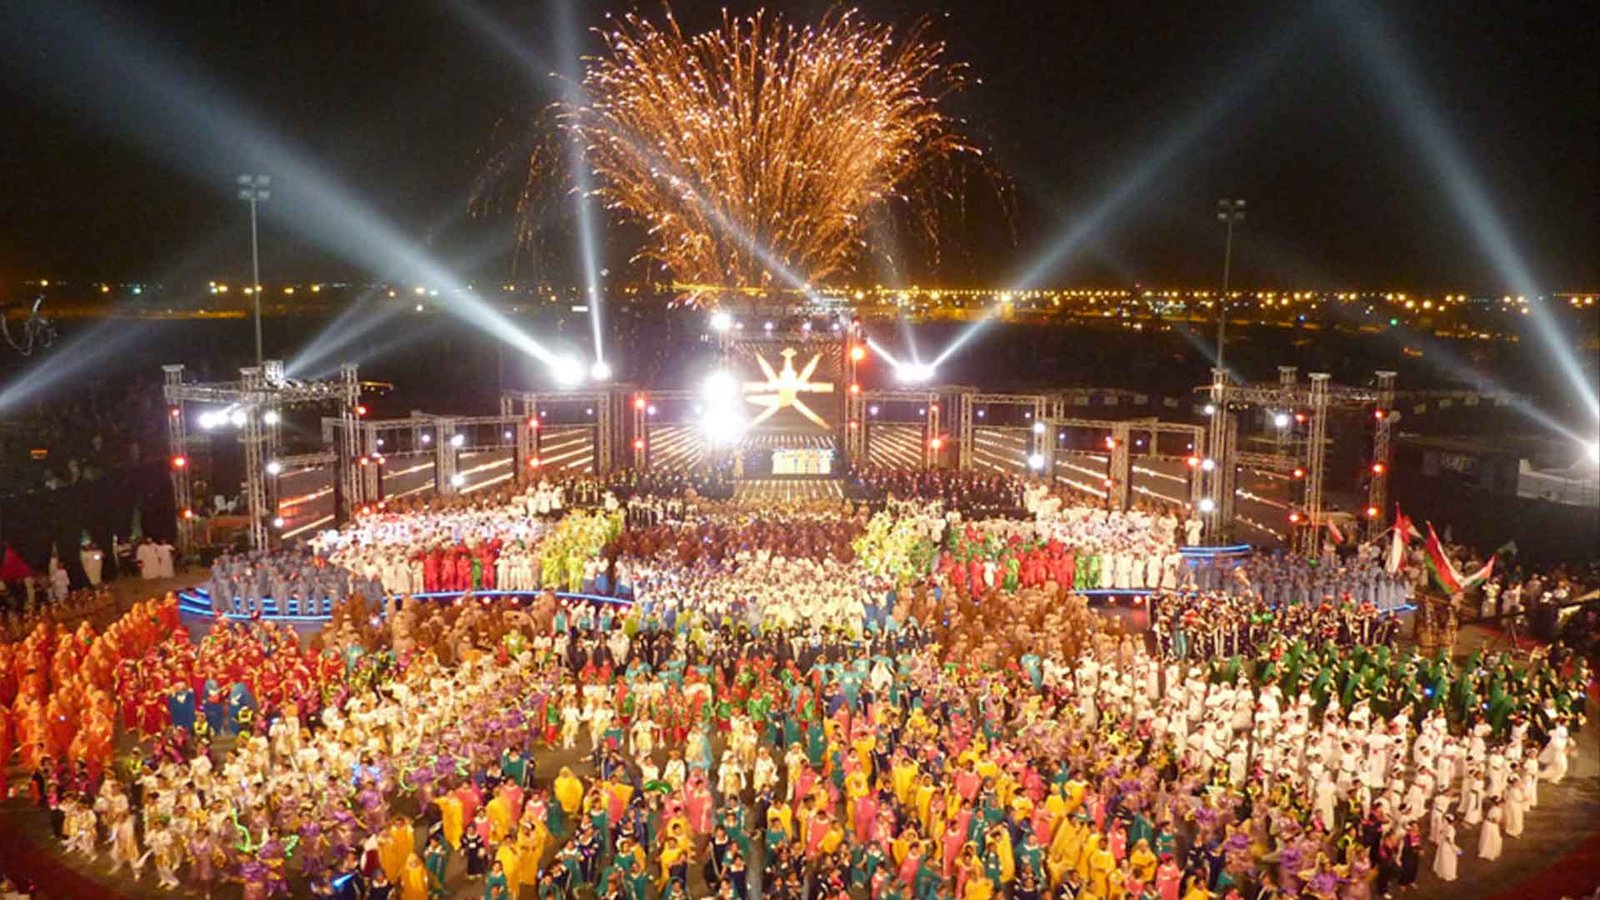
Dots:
pixel 784 387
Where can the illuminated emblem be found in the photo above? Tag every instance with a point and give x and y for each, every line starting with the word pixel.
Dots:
pixel 784 387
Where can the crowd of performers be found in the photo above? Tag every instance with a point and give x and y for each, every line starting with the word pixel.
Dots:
pixel 970 493
pixel 1217 624
pixel 815 761
pixel 240 582
pixel 498 548
pixel 812 706
pixel 93 603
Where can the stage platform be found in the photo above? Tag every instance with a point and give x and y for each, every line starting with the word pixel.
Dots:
pixel 196 601
pixel 787 490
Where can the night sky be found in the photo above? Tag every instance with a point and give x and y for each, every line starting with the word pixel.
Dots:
pixel 103 175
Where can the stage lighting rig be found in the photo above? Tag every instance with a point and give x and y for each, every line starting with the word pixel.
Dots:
pixel 914 373
pixel 568 371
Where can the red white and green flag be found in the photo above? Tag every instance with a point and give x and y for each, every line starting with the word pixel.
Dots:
pixel 1480 576
pixel 1399 537
pixel 1440 566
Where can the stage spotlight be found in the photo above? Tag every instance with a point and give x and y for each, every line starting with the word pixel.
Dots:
pixel 1211 409
pixel 458 441
pixel 914 373
pixel 1036 461
pixel 720 416
pixel 1594 452
pixel 271 417
pixel 277 522
pixel 722 424
pixel 1208 464
pixel 274 468
pixel 721 321
pixel 238 417
pixel 720 385
pixel 1207 505
pixel 457 480
pixel 1281 420
pixel 208 420
pixel 568 371
pixel 858 353
pixel 427 438
pixel 1038 428
pixel 600 371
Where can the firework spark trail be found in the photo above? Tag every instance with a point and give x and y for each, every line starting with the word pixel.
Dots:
pixel 764 145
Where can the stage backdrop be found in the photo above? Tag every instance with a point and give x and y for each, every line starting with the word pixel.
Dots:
pixel 793 399
pixel 791 386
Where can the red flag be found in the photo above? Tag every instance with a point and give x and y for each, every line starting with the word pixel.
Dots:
pixel 13 568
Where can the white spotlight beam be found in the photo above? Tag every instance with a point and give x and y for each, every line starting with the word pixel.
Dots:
pixel 85 352
pixel 207 134
pixel 885 355
pixel 353 323
pixel 583 185
pixel 1408 99
pixel 536 67
pixel 1134 182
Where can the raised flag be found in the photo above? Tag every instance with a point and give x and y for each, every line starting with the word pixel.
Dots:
pixel 1480 576
pixel 1443 572
pixel 1399 538
pixel 1396 558
pixel 12 566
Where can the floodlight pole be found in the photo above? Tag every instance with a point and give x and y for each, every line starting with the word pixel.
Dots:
pixel 1229 212
pixel 253 189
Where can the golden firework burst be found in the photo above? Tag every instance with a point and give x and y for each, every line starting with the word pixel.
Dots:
pixel 756 154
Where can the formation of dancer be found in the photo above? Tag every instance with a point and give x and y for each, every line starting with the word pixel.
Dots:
pixel 794 707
